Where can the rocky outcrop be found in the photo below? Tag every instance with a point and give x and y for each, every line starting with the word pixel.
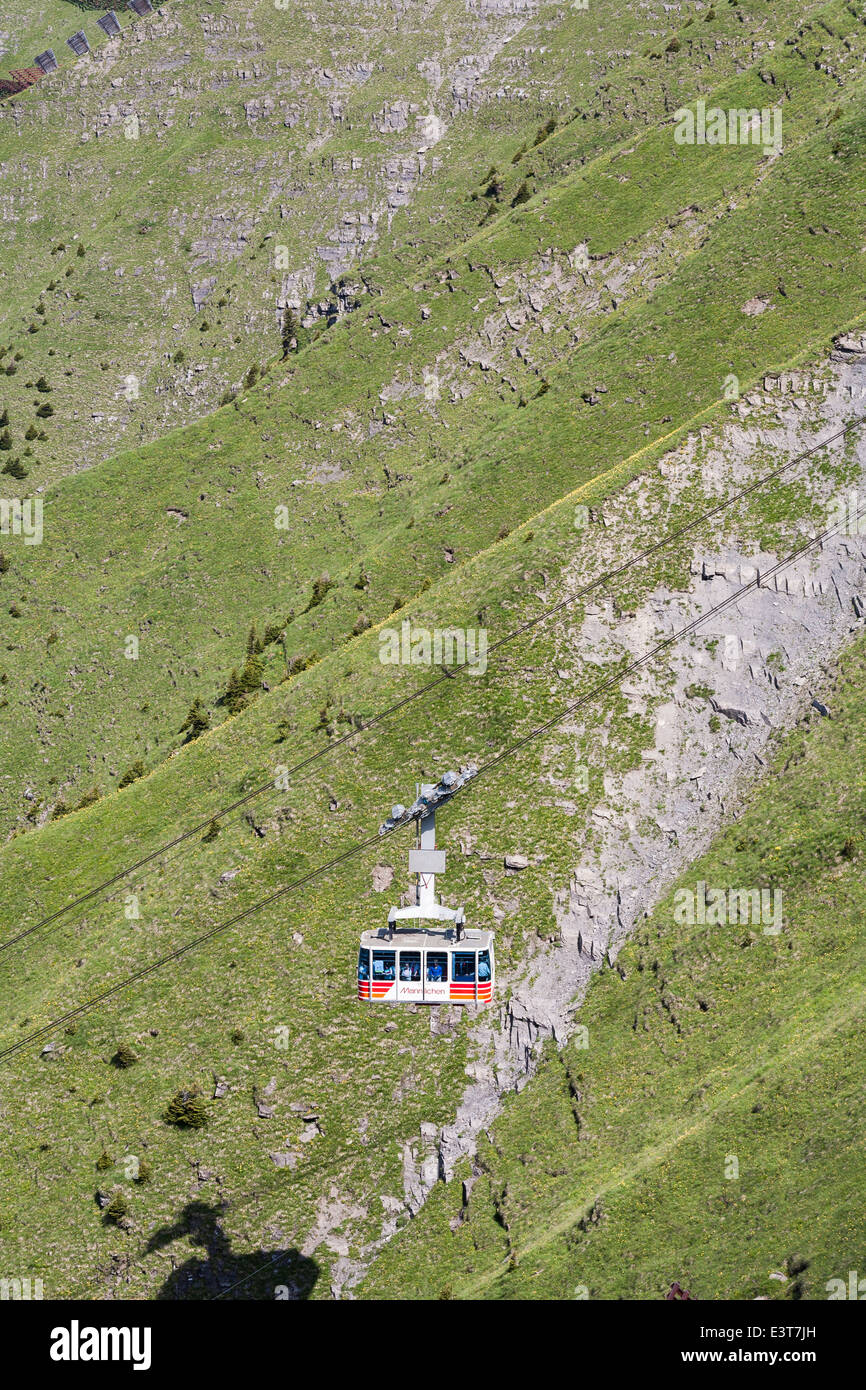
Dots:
pixel 758 666
pixel 323 144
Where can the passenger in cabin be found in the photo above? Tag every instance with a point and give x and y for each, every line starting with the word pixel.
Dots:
pixel 406 971
pixel 434 972
pixel 483 967
pixel 362 970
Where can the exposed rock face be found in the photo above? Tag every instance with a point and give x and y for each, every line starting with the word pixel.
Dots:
pixel 329 130
pixel 762 660
pixel 516 861
pixel 850 348
pixel 333 1215
pixel 539 311
pixel 202 291
pixel 383 877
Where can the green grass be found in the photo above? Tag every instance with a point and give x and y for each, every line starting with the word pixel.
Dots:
pixel 703 1129
pixel 255 978
pixel 191 558
pixel 205 192
pixel 174 543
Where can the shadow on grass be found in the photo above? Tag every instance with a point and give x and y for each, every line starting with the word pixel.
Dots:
pixel 262 1274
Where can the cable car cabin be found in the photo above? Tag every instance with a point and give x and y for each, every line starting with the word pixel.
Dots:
pixel 425 955
pixel 426 966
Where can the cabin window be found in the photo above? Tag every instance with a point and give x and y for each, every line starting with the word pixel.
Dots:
pixel 464 965
pixel 363 964
pixel 383 965
pixel 437 967
pixel 484 965
pixel 410 966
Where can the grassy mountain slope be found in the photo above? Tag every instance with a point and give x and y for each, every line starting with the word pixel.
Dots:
pixel 255 130
pixel 175 543
pixel 350 446
pixel 271 1001
pixel 612 1174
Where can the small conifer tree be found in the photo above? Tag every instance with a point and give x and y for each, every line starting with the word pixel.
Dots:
pixel 196 722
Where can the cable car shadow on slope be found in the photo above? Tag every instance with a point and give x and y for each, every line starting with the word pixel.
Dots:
pixel 258 1276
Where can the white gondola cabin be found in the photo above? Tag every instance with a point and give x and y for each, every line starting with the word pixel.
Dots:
pixel 426 955
pixel 426 966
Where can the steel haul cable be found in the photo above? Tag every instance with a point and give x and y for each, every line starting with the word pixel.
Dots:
pixel 354 850
pixel 432 685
